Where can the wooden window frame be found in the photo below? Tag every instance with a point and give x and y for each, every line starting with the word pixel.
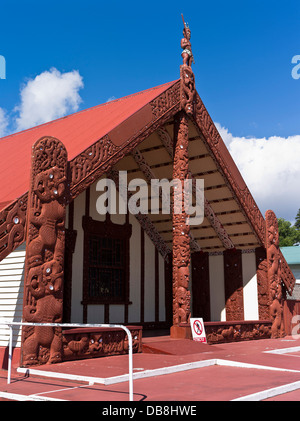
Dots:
pixel 105 229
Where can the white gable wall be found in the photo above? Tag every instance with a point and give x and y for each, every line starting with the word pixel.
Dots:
pixel 11 293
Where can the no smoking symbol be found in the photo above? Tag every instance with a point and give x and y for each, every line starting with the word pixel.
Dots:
pixel 198 329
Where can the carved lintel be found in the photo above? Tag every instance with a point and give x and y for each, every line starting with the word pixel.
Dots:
pixel 45 244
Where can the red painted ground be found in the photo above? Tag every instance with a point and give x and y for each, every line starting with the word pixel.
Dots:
pixel 214 383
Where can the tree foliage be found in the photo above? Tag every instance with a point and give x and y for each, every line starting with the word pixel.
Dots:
pixel 289 235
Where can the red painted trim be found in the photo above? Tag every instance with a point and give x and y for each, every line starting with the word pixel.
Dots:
pixel 16 357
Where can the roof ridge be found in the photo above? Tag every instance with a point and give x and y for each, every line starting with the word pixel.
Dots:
pixel 8 137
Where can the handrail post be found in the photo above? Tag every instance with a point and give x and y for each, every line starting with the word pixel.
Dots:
pixel 130 363
pixel 10 353
pixel 127 331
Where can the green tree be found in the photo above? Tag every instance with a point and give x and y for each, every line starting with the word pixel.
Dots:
pixel 288 233
pixel 297 223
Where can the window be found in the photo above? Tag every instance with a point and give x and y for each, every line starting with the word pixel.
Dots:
pixel 106 262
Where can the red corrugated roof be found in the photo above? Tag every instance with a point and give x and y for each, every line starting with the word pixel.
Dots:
pixel 77 131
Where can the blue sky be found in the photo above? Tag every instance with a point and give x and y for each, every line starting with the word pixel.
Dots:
pixel 243 52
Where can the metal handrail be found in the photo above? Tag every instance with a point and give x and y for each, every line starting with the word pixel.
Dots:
pixel 12 324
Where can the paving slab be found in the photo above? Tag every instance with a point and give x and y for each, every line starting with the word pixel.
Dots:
pixel 230 371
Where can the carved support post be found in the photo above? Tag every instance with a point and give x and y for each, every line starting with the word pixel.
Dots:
pixel 45 245
pixel 274 267
pixel 181 229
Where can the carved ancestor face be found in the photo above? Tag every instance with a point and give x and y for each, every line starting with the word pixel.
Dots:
pixel 183 277
pixel 53 275
pixel 273 236
pixel 181 295
pixel 49 185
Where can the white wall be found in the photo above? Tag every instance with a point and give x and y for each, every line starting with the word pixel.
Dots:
pixel 11 293
pixel 250 287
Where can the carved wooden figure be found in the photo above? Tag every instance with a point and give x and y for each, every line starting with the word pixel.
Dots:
pixel 181 173
pixel 44 265
pixel 181 230
pixel 276 287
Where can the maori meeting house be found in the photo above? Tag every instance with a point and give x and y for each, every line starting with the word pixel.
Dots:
pixel 61 261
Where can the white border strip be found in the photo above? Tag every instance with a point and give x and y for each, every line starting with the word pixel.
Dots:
pixel 283 350
pixel 64 376
pixel 151 373
pixel 18 397
pixel 257 366
pixel 270 393
pixel 122 378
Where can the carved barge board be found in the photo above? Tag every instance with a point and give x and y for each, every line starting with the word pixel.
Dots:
pixel 44 263
pixel 228 167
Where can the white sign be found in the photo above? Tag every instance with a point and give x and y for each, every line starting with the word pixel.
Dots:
pixel 198 330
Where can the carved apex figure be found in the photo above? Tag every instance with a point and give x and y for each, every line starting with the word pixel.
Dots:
pixel 186 46
pixel 44 265
pixel 187 86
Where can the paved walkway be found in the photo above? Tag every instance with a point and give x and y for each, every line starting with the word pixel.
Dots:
pixel 169 370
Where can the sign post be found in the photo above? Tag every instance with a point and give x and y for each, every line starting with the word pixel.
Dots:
pixel 198 331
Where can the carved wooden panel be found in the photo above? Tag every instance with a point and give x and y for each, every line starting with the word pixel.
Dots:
pixel 233 277
pixel 45 243
pixel 81 343
pixel 13 226
pixel 262 283
pixel 221 332
pixel 200 285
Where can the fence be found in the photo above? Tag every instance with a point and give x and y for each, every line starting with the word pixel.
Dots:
pixel 11 325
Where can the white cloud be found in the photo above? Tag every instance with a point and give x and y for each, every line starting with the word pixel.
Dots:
pixel 48 96
pixel 270 168
pixel 3 122
pixel 111 98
